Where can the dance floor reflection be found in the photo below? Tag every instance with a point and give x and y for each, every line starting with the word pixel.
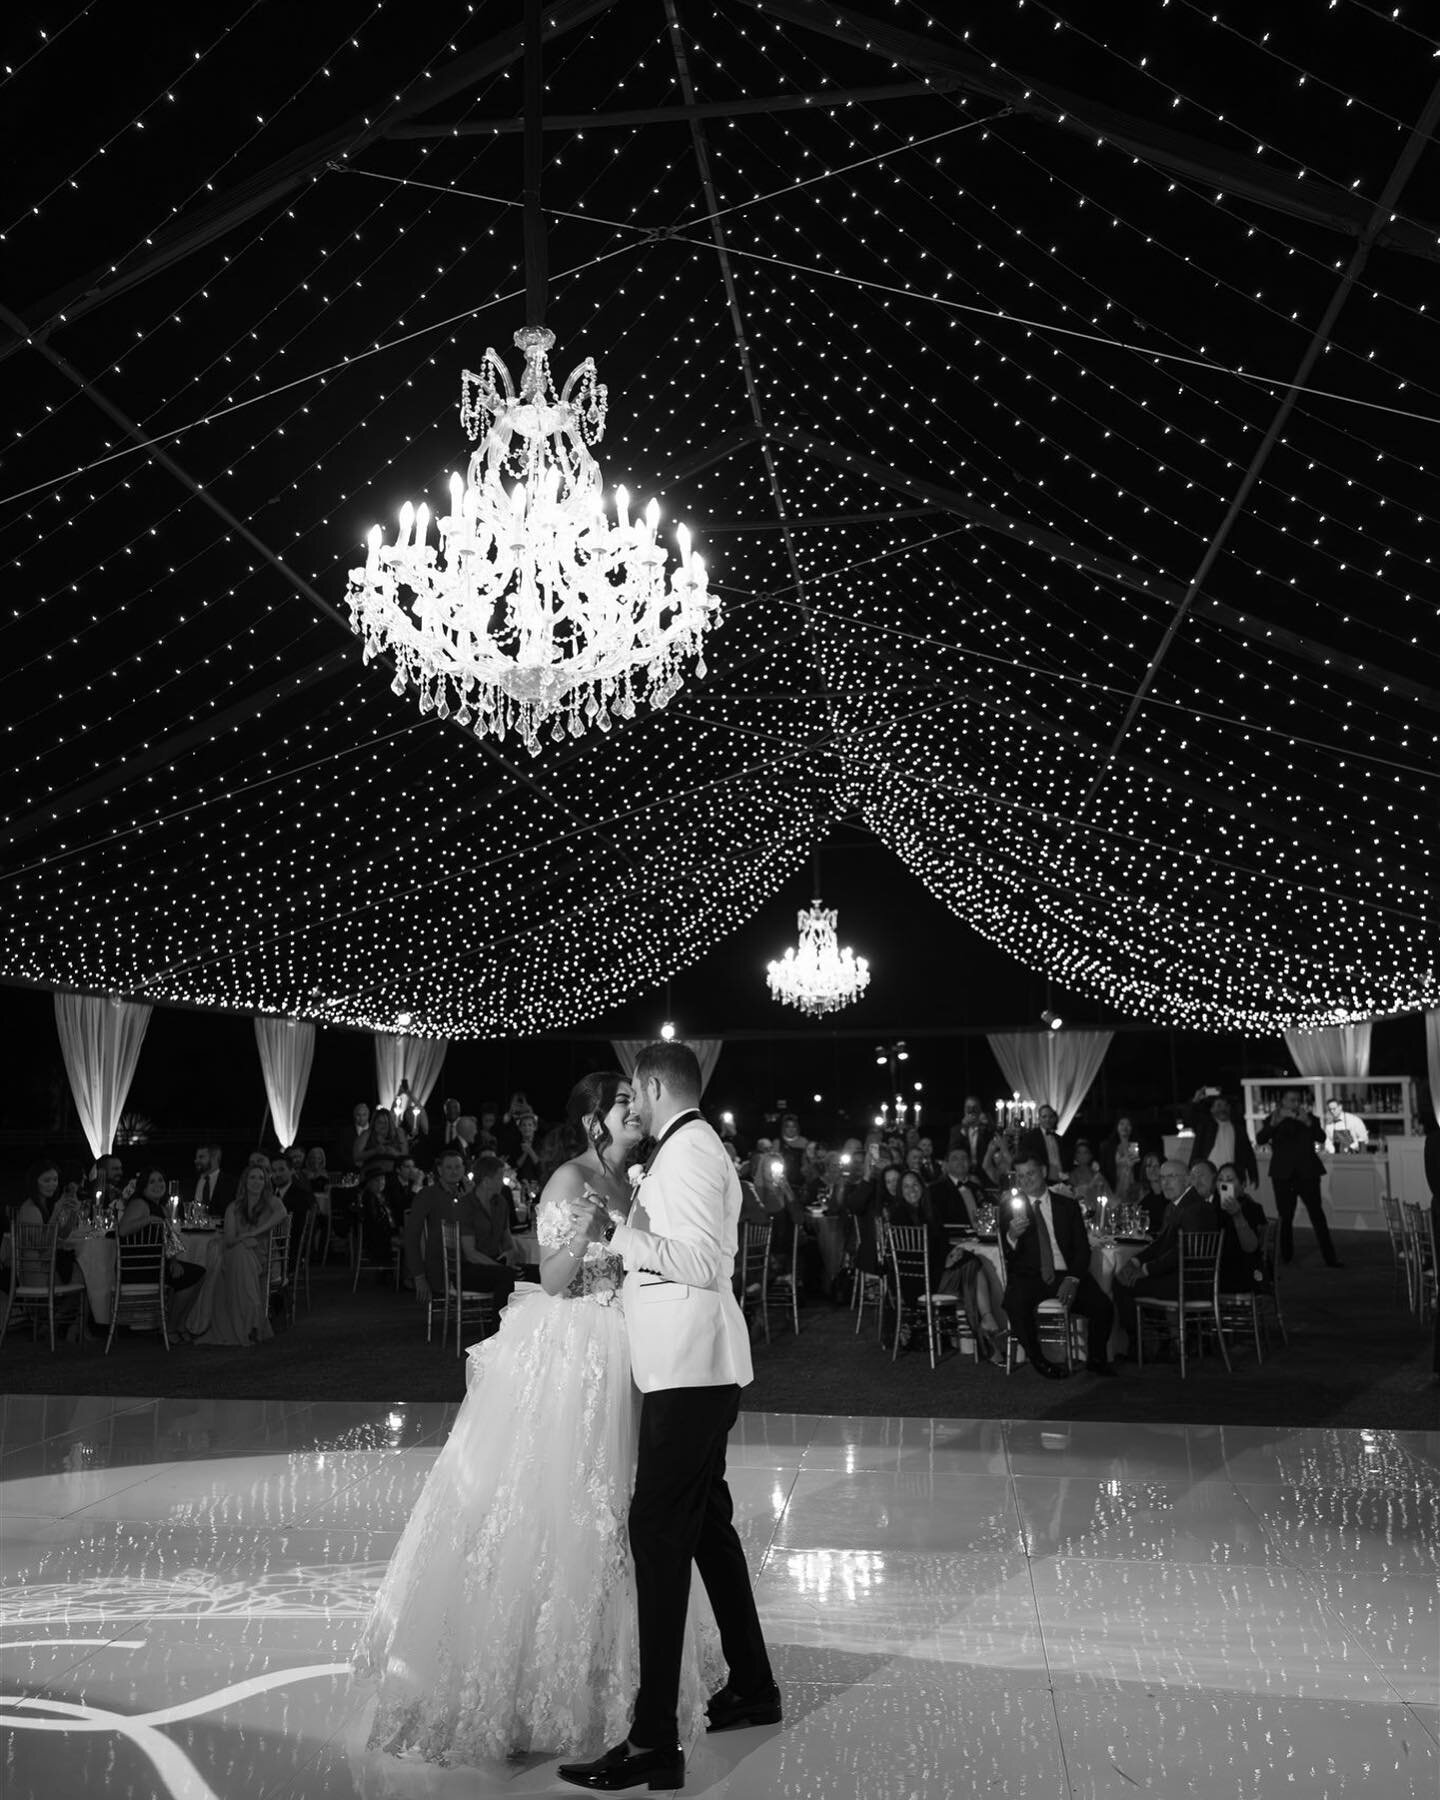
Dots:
pixel 955 1608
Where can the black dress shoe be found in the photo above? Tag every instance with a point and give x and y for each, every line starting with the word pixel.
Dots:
pixel 728 1710
pixel 1042 1365
pixel 623 1767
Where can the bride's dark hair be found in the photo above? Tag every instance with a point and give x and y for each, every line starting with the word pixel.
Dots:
pixel 591 1095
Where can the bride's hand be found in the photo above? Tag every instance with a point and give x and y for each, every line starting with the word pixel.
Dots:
pixel 589 1217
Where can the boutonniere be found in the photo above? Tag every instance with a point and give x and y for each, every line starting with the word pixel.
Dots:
pixel 636 1174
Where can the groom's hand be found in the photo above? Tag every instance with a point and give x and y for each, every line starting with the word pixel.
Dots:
pixel 590 1217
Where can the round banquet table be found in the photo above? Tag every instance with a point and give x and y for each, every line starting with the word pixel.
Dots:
pixel 1106 1256
pixel 95 1259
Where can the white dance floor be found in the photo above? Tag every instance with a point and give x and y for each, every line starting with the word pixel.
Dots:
pixel 955 1608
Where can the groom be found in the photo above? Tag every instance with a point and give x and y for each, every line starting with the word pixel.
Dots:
pixel 690 1353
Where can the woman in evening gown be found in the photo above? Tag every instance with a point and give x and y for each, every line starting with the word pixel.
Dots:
pixel 505 1624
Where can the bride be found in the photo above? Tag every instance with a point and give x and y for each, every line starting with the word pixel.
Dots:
pixel 505 1623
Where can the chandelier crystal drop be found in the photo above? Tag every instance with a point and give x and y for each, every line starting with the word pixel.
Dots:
pixel 536 608
pixel 816 975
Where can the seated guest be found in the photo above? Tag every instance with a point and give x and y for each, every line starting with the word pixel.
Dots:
pixel 293 1193
pixel 432 1207
pixel 232 1304
pixel 42 1189
pixel 207 1197
pixel 45 1204
pixel 314 1170
pixel 1120 1160
pixel 908 1208
pixel 1151 1194
pixel 956 1198
pixel 295 1156
pixel 487 1128
pixel 1187 1209
pixel 929 1168
pixel 490 1259
pixel 374 1212
pixel 1242 1220
pixel 1085 1181
pixel 386 1144
pixel 148 1205
pixel 1047 1257
pixel 866 1203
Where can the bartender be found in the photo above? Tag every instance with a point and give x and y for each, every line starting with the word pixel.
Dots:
pixel 1343 1130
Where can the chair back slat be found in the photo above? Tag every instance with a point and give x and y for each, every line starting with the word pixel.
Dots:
pixel 910 1254
pixel 140 1258
pixel 32 1262
pixel 1199 1273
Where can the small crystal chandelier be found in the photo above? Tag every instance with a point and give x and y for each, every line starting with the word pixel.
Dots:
pixel 536 609
pixel 816 975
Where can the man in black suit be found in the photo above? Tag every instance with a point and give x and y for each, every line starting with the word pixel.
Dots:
pixel 973 1134
pixel 1296 1172
pixel 1047 1257
pixel 1220 1134
pixel 953 1200
pixel 1191 1208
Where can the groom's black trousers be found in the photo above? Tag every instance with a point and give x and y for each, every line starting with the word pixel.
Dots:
pixel 681 1512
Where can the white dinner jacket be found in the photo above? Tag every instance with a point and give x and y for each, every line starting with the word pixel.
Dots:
pixel 684 1322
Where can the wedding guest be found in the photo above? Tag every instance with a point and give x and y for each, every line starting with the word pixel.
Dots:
pixel 295 1156
pixel 351 1147
pixel 432 1207
pixel 450 1112
pixel 487 1132
pixel 386 1143
pixel 1048 1125
pixel 1152 1269
pixel 1120 1160
pixel 1343 1130
pixel 868 1204
pixel 42 1189
pixel 315 1171
pixel 507 1131
pixel 929 1168
pixel 1047 1257
pixel 207 1197
pixel 410 1116
pixel 1242 1220
pixel 1085 1181
pixel 1220 1134
pixel 1151 1193
pixel 469 1139
pixel 974 1132
pixel 526 1159
pixel 908 1208
pixel 1296 1171
pixel 231 1305
pixel 956 1198
pixel 795 1151
pixel 490 1260
pixel 148 1205
pixel 375 1213
pixel 293 1193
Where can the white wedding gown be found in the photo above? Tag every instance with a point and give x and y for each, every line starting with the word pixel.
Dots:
pixel 505 1623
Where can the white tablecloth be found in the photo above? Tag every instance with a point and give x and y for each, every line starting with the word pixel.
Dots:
pixel 95 1259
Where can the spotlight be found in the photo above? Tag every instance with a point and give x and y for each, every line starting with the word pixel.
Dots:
pixel 404 1020
pixel 901 1053
pixel 667 1031
pixel 1052 1019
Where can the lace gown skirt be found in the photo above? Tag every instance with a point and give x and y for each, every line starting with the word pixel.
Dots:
pixel 506 1620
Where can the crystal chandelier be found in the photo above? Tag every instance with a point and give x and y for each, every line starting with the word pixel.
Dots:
pixel 535 609
pixel 816 975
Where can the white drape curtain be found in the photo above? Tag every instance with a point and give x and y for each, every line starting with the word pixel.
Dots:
pixel 100 1039
pixel 1331 1050
pixel 400 1057
pixel 1051 1068
pixel 287 1048
pixel 707 1052
pixel 1432 1055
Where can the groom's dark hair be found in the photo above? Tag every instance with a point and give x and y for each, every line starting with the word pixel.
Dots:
pixel 673 1063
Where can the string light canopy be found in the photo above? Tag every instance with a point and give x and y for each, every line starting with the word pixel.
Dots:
pixel 537 609
pixel 816 975
pixel 963 421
